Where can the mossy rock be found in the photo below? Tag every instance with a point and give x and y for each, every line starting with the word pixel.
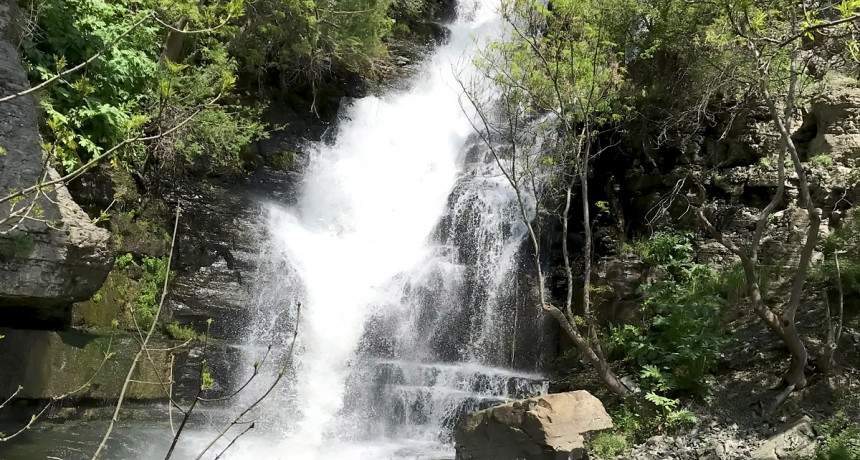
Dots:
pixel 139 235
pixel 282 161
pixel 51 364
pixel 111 304
pixel 17 246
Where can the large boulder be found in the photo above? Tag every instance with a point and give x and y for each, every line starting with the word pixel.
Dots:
pixel 548 427
pixel 51 255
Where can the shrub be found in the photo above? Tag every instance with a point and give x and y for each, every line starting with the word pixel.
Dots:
pixel 179 332
pixel 665 248
pixel 841 439
pixel 124 260
pixel 151 285
pixel 132 90
pixel 821 161
pixel 608 445
pixel 680 334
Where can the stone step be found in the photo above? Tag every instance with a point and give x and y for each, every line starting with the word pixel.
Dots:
pixel 462 377
pixel 422 400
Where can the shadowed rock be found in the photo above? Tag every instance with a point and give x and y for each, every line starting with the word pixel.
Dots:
pixel 50 253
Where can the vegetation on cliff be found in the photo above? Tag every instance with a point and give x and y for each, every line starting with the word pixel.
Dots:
pixel 574 81
pixel 151 86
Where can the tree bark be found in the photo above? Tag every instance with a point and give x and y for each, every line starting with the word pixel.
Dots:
pixel 174 45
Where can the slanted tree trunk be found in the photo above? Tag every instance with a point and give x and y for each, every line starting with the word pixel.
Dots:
pixel 782 323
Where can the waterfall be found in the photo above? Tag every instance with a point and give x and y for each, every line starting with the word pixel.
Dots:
pixel 405 252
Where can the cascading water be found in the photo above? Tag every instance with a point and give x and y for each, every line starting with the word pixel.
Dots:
pixel 405 253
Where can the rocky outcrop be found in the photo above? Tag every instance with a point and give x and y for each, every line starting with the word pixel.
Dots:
pixel 48 364
pixel 50 253
pixel 547 427
pixel 833 123
pixel 711 440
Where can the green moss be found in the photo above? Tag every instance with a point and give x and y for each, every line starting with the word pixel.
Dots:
pixel 821 161
pixel 283 161
pixel 18 246
pixel 49 364
pixel 608 445
pixel 110 308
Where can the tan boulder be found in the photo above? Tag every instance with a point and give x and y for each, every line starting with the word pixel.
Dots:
pixel 548 427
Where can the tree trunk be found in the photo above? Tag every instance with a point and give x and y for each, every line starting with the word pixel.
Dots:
pixel 588 354
pixel 174 45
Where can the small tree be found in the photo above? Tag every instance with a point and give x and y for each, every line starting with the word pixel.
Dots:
pixel 546 90
pixel 768 38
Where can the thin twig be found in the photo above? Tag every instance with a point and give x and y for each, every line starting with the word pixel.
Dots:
pixel 281 372
pixel 250 427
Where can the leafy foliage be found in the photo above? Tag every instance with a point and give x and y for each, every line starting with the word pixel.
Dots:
pixel 608 445
pixel 680 337
pixel 560 60
pixel 180 332
pixel 306 41
pixel 133 90
pixel 821 161
pixel 151 285
pixel 124 260
pixel 841 439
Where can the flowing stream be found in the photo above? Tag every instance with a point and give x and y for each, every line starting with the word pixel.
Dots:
pixel 404 252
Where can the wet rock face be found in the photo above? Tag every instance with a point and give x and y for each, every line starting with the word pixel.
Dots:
pixel 546 427
pixel 218 249
pixel 50 253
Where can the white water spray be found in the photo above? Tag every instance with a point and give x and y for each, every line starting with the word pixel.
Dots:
pixel 360 238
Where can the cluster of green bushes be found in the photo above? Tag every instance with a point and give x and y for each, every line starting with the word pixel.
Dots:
pixel 679 338
pixel 133 89
pixel 841 438
pixel 168 72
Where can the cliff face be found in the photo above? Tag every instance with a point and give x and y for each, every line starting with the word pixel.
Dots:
pixel 50 253
pixel 653 189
